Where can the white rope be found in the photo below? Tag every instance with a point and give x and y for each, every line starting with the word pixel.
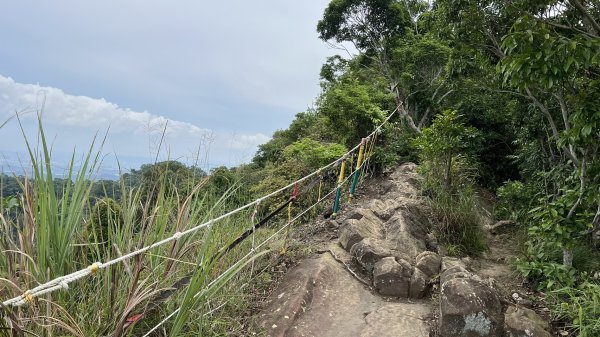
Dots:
pixel 252 251
pixel 62 282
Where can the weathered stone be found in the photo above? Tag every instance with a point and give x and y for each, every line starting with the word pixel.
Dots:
pixel 429 263
pixel 469 308
pixel 432 243
pixel 366 215
pixel 449 262
pixel 402 235
pixel 419 282
pixel 354 231
pixel 384 209
pixel 392 278
pixel 395 320
pixel 521 301
pixel 454 272
pixel 406 180
pixel 369 251
pixel 523 322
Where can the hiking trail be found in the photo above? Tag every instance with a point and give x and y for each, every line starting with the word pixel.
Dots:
pixel 379 271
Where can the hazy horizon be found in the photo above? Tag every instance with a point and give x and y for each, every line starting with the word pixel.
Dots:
pixel 212 79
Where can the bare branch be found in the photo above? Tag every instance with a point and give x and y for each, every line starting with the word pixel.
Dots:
pixel 581 190
pixel 587 16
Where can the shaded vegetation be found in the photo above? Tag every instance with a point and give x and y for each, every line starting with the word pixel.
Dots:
pixel 500 94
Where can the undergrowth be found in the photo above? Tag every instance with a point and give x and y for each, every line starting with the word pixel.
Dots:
pixel 48 233
pixel 449 183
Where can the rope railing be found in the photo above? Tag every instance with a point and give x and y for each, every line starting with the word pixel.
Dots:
pixel 255 249
pixel 63 282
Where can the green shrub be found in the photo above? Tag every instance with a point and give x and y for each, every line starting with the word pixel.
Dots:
pixel 449 182
pixel 580 306
pixel 396 146
pixel 513 201
pixel 106 217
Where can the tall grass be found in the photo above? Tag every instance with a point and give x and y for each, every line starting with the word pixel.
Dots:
pixel 51 233
pixel 579 306
pixel 456 207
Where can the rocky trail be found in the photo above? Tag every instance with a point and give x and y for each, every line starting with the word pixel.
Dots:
pixel 379 271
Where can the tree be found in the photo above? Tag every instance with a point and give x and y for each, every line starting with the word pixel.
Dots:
pixel 374 27
pixel 106 218
pixel 558 68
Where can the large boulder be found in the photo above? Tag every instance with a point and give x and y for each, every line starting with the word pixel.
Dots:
pixel 427 266
pixel 366 215
pixel 406 180
pixel 369 251
pixel 456 272
pixel 523 322
pixel 403 236
pixel 384 209
pixel 429 263
pixel 397 319
pixel 419 283
pixel 468 307
pixel 449 262
pixel 392 278
pixel 355 230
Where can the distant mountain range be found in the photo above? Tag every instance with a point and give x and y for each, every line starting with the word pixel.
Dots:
pixel 19 164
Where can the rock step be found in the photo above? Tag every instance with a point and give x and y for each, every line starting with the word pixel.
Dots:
pixel 320 298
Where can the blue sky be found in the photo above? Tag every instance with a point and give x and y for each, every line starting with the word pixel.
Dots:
pixel 222 76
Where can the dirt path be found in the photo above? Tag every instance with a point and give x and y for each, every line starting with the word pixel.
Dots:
pixel 330 295
pixel 320 297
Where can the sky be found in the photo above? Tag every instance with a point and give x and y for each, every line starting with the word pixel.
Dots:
pixel 215 77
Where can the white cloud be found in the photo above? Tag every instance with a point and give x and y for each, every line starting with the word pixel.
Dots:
pixel 73 120
pixel 243 142
pixel 63 109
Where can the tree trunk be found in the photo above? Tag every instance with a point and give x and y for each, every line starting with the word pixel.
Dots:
pixel 448 174
pixel 568 257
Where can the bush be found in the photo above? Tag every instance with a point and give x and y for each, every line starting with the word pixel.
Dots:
pixel 106 217
pixel 513 200
pixel 580 306
pixel 450 182
pixel 396 146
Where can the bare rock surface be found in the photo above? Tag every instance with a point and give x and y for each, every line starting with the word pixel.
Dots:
pixel 469 307
pixel 523 322
pixel 320 298
pixel 392 278
pixel 395 320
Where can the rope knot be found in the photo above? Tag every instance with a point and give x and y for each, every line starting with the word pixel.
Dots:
pixel 64 285
pixel 95 267
pixel 177 235
pixel 27 296
pixel 295 192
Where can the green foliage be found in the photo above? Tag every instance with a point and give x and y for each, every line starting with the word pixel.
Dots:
pixel 306 124
pixel 579 305
pixel 458 221
pixel 106 219
pixel 353 109
pixel 538 56
pixel 58 214
pixel 551 221
pixel 547 275
pixel 513 200
pixel 449 182
pixel 297 160
pixel 172 175
pixel 397 146
pixel 380 21
pixel 442 149
pixel 312 154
